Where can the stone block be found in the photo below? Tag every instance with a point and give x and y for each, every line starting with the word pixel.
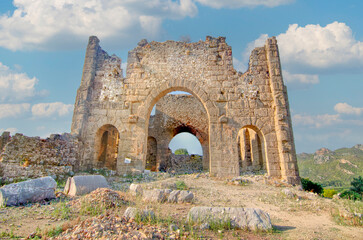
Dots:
pixel 84 184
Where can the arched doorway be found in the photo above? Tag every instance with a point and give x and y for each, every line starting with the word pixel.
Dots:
pixel 175 113
pixel 151 156
pixel 251 150
pixel 106 145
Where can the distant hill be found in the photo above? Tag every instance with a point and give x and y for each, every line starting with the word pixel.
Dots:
pixel 332 168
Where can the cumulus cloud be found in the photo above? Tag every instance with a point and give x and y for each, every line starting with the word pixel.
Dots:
pixel 345 108
pixel 49 24
pixel 314 48
pixel 54 109
pixel 239 65
pixel 317 47
pixel 15 87
pixel 243 3
pixel 13 110
pixel 316 121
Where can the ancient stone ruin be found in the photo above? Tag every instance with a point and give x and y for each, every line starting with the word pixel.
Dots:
pixel 242 120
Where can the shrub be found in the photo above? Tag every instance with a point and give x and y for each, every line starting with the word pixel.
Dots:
pixel 349 194
pixel 329 193
pixel 181 151
pixel 180 185
pixel 357 185
pixel 311 186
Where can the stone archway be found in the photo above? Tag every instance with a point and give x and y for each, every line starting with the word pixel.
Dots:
pixel 106 145
pixel 252 154
pixel 174 114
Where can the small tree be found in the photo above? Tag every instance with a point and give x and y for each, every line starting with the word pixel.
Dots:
pixel 311 186
pixel 181 151
pixel 357 185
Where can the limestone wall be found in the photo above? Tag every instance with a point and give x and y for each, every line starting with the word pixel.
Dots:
pixel 32 157
pixel 256 99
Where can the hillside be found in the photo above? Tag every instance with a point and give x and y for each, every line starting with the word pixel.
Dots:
pixel 332 168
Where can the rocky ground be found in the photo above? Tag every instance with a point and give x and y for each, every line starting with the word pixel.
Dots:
pixel 294 214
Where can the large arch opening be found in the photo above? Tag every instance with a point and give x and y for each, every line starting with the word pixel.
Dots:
pixel 175 113
pixel 251 150
pixel 106 145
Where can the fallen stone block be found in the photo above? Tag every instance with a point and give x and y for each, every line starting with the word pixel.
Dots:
pixel 132 212
pixel 240 218
pixel 180 196
pixel 34 190
pixel 80 185
pixel 156 195
pixel 136 189
pixel 185 197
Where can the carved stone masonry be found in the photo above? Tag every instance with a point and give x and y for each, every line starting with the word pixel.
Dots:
pixel 244 122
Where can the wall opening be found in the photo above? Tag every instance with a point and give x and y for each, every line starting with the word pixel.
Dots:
pixel 177 120
pixel 107 141
pixel 151 156
pixel 251 153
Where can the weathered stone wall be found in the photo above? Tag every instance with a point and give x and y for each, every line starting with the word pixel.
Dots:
pixel 255 100
pixel 175 114
pixel 182 164
pixel 32 157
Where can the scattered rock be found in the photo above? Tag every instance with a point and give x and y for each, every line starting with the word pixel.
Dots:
pixel 288 193
pixel 185 197
pixel 136 189
pixel 132 212
pixel 34 190
pixel 156 195
pixel 80 185
pixel 241 218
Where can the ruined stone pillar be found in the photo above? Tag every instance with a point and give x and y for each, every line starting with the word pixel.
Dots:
pixel 282 117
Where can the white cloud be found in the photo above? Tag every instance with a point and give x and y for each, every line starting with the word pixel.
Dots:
pixel 45 24
pixel 15 86
pixel 318 47
pixel 243 3
pixel 345 108
pixel 13 110
pixel 300 78
pixel 11 130
pixel 316 121
pixel 51 109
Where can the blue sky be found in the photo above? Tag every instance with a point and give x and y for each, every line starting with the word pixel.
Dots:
pixel 42 48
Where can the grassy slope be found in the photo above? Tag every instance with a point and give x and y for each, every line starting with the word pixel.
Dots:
pixel 334 172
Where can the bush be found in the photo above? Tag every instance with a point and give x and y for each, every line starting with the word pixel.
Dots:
pixel 349 194
pixel 311 186
pixel 357 185
pixel 181 151
pixel 180 185
pixel 329 193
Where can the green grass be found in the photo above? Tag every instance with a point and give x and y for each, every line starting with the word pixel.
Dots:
pixel 180 185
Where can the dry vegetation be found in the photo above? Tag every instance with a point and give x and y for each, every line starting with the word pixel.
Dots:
pixel 300 215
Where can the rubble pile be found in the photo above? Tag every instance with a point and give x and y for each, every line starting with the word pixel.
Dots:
pixel 25 157
pixel 101 197
pixel 183 164
pixel 114 227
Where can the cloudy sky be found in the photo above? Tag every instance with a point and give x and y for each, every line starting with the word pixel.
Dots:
pixel 42 48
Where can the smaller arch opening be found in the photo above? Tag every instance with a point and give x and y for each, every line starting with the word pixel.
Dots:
pixel 186 154
pixel 251 152
pixel 107 141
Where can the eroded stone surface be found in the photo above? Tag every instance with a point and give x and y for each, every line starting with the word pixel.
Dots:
pixel 248 117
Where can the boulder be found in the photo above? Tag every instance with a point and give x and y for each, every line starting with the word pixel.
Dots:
pixel 180 196
pixel 136 189
pixel 185 197
pixel 156 195
pixel 80 185
pixel 240 218
pixel 34 190
pixel 132 212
